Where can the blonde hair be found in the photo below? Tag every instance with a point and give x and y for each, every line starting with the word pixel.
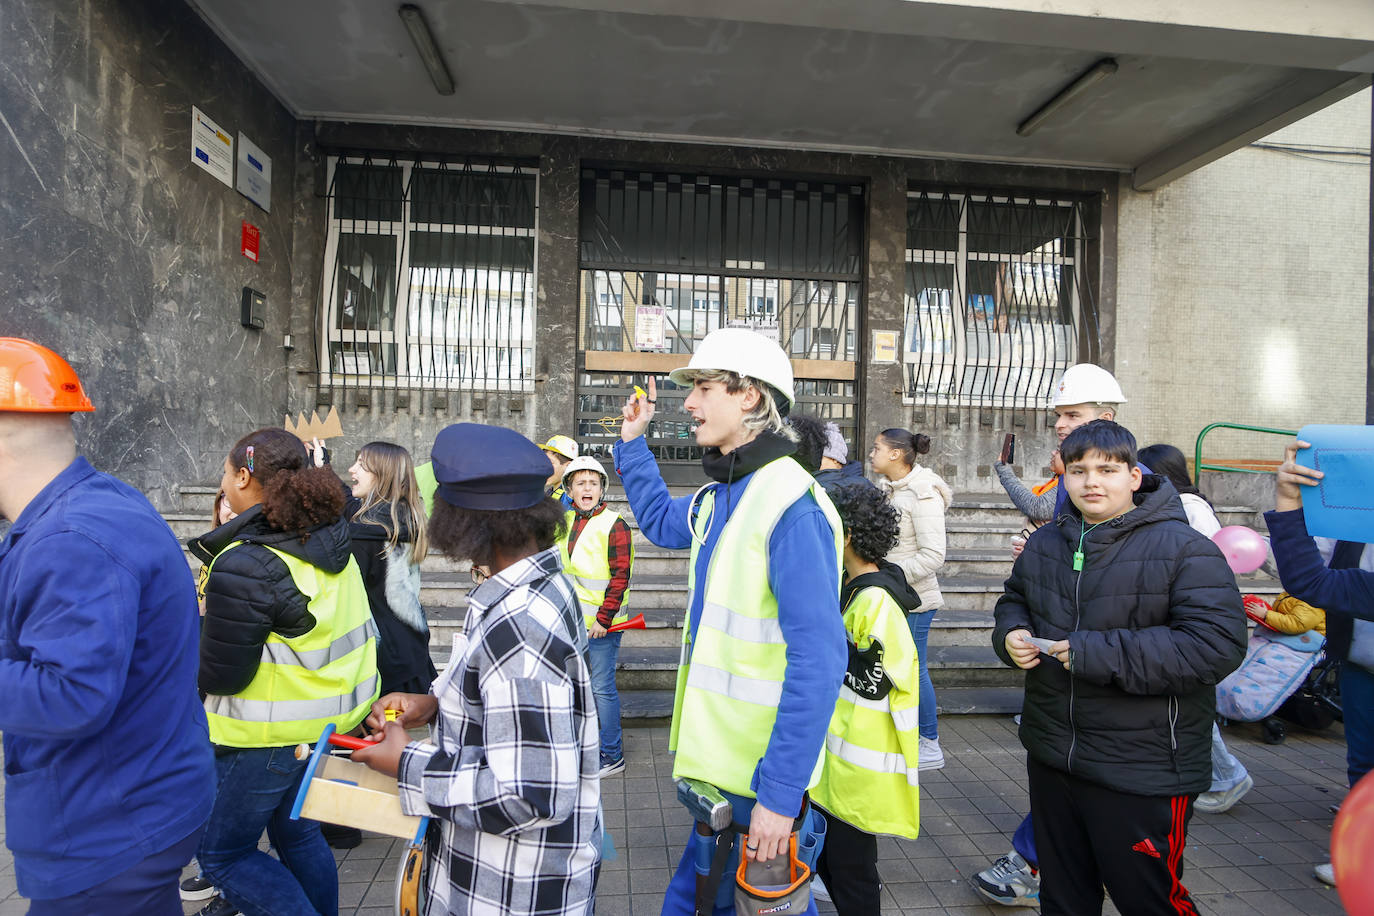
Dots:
pixel 765 414
pixel 395 484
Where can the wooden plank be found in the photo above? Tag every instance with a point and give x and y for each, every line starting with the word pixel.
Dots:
pixel 663 363
pixel 338 803
pixel 837 369
pixel 615 361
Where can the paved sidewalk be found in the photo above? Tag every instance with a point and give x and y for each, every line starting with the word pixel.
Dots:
pixel 1257 858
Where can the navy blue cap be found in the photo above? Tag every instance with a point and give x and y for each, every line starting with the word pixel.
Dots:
pixel 488 467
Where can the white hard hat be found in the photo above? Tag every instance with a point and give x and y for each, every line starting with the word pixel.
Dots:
pixel 585 463
pixel 1087 384
pixel 743 352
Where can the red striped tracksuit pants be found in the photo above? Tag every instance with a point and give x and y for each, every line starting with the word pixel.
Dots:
pixel 1088 836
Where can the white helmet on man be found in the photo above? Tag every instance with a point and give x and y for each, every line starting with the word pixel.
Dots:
pixel 743 352
pixel 1087 384
pixel 585 463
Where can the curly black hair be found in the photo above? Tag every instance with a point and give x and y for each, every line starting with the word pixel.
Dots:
pixel 477 534
pixel 296 495
pixel 810 440
pixel 869 519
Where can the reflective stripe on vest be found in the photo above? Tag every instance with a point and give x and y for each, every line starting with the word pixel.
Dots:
pixel 875 761
pixel 730 682
pixel 873 744
pixel 236 707
pixel 904 719
pixel 283 653
pixel 328 675
pixel 589 565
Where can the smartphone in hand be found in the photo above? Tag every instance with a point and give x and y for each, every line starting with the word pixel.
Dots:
pixel 1009 449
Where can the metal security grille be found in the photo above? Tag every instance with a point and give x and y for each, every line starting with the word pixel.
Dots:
pixel 667 258
pixel 429 275
pixel 997 302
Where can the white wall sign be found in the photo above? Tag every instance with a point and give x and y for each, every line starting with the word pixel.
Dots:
pixel 651 328
pixel 211 148
pixel 254 176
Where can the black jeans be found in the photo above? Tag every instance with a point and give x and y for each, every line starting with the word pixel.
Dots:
pixel 849 867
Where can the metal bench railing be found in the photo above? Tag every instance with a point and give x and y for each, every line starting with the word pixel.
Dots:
pixel 1199 467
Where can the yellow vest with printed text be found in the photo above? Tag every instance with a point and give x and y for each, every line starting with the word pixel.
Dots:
pixel 589 565
pixel 730 677
pixel 871 747
pixel 304 683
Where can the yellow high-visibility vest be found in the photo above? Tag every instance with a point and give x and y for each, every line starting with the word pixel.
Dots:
pixel 871 747
pixel 729 681
pixel 589 564
pixel 306 682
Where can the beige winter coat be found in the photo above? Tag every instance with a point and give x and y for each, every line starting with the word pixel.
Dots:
pixel 921 499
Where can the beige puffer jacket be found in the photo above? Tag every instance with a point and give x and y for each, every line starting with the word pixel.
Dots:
pixel 921 499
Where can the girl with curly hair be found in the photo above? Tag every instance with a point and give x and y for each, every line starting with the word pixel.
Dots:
pixel 868 785
pixel 287 647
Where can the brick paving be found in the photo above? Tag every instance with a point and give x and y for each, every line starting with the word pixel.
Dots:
pixel 1256 858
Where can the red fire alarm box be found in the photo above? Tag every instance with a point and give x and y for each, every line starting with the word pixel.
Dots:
pixel 251 236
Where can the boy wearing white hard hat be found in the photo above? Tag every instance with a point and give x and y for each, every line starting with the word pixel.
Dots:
pixel 598 555
pixel 764 645
pixel 1084 393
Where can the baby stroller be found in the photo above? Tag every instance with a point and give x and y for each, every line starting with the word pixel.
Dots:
pixel 1277 678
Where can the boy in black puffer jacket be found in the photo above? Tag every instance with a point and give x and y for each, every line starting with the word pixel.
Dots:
pixel 1143 619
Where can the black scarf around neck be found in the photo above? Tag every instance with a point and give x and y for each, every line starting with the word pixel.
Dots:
pixel 765 447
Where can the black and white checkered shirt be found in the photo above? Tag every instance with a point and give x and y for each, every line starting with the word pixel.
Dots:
pixel 513 774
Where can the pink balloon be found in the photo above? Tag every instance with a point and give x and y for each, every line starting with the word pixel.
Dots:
pixel 1245 550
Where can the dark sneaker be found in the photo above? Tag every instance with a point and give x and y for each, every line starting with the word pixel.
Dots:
pixel 197 887
pixel 218 907
pixel 609 766
pixel 340 837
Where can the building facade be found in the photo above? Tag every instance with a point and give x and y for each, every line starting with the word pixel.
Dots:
pixel 416 276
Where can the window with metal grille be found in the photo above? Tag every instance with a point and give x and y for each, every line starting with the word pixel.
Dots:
pixel 781 256
pixel 666 258
pixel 429 274
pixel 997 303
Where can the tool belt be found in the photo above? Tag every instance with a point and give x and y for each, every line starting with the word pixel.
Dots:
pixel 750 899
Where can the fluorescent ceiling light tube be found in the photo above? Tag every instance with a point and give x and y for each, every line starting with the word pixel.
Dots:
pixel 1096 74
pixel 423 40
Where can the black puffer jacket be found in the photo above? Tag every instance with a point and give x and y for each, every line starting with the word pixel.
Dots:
pixel 250 593
pixel 1153 621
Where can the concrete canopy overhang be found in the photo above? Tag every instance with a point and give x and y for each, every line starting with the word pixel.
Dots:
pixel 900 77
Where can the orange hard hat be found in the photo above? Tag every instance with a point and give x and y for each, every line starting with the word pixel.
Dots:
pixel 34 379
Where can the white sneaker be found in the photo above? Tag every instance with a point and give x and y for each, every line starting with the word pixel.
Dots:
pixel 1325 873
pixel 930 757
pixel 1217 802
pixel 1010 881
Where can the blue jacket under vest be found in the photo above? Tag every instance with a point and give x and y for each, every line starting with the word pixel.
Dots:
pixel 107 755
pixel 805 578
